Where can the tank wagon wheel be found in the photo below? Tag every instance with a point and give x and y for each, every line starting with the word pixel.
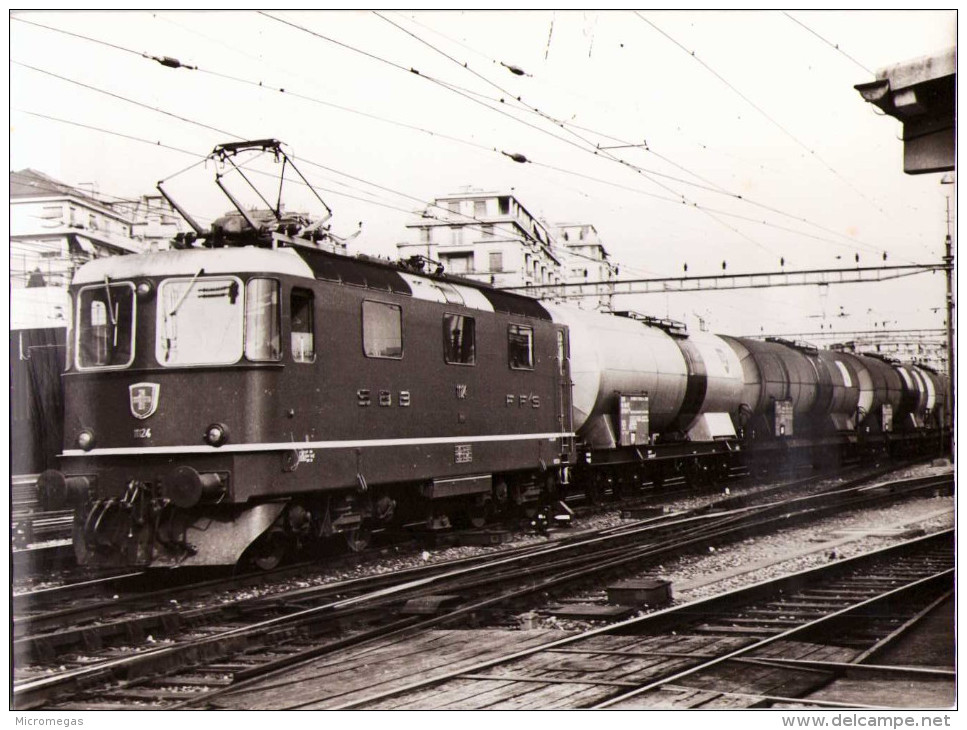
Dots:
pixel 594 488
pixel 269 551
pixel 358 539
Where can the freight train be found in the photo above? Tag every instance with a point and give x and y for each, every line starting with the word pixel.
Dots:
pixel 241 398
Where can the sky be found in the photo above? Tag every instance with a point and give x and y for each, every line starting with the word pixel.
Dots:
pixel 741 138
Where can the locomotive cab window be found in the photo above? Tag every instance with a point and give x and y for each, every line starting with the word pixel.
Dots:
pixel 200 321
pixel 520 346
pixel 303 341
pixel 105 326
pixel 459 339
pixel 263 337
pixel 382 330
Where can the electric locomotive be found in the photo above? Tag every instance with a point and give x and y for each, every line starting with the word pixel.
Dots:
pixel 216 396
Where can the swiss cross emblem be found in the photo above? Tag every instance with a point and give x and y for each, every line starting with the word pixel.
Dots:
pixel 144 399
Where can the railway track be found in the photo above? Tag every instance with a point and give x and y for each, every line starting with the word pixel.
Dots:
pixel 773 643
pixel 268 634
pixel 112 596
pixel 57 553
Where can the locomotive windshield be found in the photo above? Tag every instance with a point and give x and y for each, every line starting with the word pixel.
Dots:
pixel 105 326
pixel 199 321
pixel 215 320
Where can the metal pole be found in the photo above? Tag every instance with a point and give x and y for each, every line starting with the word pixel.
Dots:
pixel 949 270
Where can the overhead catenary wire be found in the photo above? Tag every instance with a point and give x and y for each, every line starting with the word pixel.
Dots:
pixel 342 173
pixel 827 42
pixel 709 185
pixel 203 157
pixel 705 209
pixel 483 148
pixel 206 126
pixel 591 148
pixel 570 172
pixel 477 101
pixel 125 99
pixel 762 111
pixel 175 63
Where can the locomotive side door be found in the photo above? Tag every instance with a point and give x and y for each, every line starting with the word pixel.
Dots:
pixel 563 391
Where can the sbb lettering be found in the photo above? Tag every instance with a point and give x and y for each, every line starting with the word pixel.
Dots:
pixel 364 398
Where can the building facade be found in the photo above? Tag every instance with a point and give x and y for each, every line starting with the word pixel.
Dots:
pixel 586 261
pixel 55 227
pixel 491 237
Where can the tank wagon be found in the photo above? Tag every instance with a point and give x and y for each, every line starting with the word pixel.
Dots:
pixel 260 392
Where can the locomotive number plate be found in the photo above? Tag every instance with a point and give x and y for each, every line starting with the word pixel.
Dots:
pixel 142 433
pixel 462 454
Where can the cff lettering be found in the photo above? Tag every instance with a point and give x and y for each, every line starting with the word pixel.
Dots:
pixel 523 400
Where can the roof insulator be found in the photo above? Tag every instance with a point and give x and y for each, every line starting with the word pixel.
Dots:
pixel 516 70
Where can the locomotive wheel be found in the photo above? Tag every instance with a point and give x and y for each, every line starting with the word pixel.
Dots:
pixel 358 540
pixel 269 551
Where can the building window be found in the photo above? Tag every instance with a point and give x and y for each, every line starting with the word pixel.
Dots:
pixel 496 261
pixel 459 339
pixel 458 263
pixel 263 340
pixel 382 330
pixel 504 204
pixel 520 347
pixel 479 208
pixel 488 230
pixel 453 206
pixel 303 332
pixel 52 213
pixel 456 235
pixel 425 234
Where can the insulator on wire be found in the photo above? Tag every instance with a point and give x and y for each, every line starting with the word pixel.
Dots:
pixel 515 156
pixel 170 62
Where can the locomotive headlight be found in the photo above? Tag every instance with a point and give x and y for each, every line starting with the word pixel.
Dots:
pixel 85 439
pixel 216 434
pixel 144 289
